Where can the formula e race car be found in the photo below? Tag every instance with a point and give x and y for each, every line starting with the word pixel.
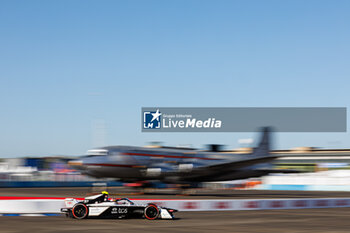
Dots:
pixel 99 206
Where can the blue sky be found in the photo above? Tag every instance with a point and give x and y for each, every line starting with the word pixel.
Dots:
pixel 65 65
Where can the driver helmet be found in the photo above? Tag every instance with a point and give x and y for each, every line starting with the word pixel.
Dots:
pixel 105 194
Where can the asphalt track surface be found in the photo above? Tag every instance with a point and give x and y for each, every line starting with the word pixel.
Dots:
pixel 162 194
pixel 301 220
pixel 279 221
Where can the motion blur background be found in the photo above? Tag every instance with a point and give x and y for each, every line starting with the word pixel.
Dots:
pixel 75 74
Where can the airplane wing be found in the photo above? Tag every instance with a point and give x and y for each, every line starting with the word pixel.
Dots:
pixel 241 167
pixel 226 169
pixel 227 166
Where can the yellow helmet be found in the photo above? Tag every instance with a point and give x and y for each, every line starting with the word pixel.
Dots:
pixel 105 192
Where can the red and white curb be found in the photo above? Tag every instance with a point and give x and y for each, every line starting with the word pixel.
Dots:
pixel 30 205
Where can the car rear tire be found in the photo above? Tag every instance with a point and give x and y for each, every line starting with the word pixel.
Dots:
pixel 80 211
pixel 151 212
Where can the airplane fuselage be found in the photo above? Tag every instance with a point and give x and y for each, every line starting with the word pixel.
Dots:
pixel 170 165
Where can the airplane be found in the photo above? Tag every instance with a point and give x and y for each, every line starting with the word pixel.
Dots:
pixel 176 165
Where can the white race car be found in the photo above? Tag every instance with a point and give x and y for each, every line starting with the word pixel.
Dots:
pixel 98 206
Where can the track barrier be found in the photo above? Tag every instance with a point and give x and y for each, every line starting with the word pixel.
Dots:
pixel 29 205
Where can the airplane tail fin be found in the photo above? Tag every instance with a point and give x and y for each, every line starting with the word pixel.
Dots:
pixel 264 144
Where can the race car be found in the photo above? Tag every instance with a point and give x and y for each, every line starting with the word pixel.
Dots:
pixel 100 206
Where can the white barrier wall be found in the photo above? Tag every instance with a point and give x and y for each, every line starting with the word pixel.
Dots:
pixel 332 177
pixel 252 204
pixel 31 206
pixel 54 205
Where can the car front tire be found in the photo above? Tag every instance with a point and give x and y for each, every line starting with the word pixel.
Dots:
pixel 80 211
pixel 151 212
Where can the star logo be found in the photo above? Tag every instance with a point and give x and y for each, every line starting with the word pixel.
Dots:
pixel 156 115
pixel 152 119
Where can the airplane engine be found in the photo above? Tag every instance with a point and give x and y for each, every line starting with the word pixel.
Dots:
pixel 153 172
pixel 187 167
pixel 157 171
